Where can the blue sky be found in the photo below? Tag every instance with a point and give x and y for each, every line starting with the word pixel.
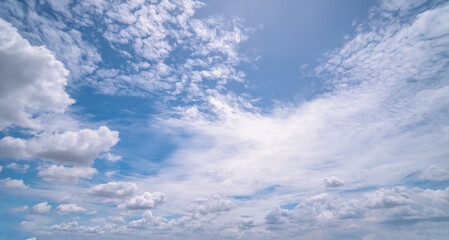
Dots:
pixel 183 119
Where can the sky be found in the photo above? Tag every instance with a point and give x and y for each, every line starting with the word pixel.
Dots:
pixel 224 119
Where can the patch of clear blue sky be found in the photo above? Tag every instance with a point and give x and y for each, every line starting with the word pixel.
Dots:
pixel 259 194
pixel 294 34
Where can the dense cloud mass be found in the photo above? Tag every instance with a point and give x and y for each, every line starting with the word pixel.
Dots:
pixel 32 80
pixel 221 134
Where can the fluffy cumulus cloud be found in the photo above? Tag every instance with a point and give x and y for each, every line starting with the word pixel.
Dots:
pixel 42 207
pixel 69 208
pixel 60 173
pixel 146 200
pixel 399 205
pixel 147 220
pixel 114 190
pixel 13 183
pixel 33 81
pixel 333 182
pixel 69 147
pixel 209 206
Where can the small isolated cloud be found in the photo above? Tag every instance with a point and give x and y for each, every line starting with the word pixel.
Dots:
pixel 435 173
pixel 333 182
pixel 18 167
pixel 145 201
pixel 65 209
pixel 114 190
pixel 33 238
pixel 12 183
pixel 19 209
pixel 77 148
pixel 66 174
pixel 111 157
pixel 42 207
pixel 109 174
pixel 1 168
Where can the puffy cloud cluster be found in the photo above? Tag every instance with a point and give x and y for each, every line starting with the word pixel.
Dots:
pixel 68 208
pixel 314 210
pixel 148 35
pixel 42 207
pixel 75 228
pixel 204 206
pixel 145 201
pixel 399 204
pixel 147 220
pixel 76 148
pixel 33 95
pixel 12 183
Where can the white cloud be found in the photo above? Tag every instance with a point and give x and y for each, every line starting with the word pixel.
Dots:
pixel 64 209
pixel 276 215
pixel 333 182
pixel 384 122
pixel 145 201
pixel 435 173
pixel 384 198
pixel 33 81
pixel 19 209
pixel 77 148
pixel 109 174
pixel 18 167
pixel 114 190
pixel 147 220
pixel 1 168
pixel 42 207
pixel 75 228
pixel 111 157
pixel 60 173
pixel 12 183
pixel 387 102
pixel 33 238
pixel 210 206
pixel 245 222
